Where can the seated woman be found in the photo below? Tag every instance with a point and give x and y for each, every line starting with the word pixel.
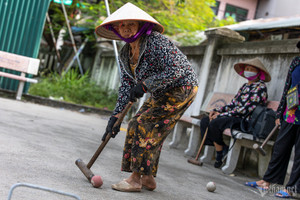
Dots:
pixel 248 97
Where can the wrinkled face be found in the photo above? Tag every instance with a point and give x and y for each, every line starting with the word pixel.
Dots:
pixel 127 28
pixel 250 68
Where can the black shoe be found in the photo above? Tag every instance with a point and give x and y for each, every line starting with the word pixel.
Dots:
pixel 218 163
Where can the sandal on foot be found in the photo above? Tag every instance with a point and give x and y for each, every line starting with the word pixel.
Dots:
pixel 254 184
pixel 124 186
pixel 261 188
pixel 251 184
pixel 282 194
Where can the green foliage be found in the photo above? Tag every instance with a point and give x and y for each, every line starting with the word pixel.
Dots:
pixel 219 23
pixel 177 16
pixel 189 38
pixel 183 16
pixel 74 88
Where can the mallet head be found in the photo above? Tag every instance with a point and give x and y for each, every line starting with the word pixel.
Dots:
pixel 259 149
pixel 84 169
pixel 255 146
pixel 195 162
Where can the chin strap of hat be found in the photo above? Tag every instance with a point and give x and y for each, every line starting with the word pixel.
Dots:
pixel 146 28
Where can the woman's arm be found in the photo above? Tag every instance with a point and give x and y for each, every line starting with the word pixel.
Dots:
pixel 282 104
pixel 231 105
pixel 256 96
pixel 124 91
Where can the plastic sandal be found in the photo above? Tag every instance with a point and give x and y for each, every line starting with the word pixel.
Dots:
pixel 251 184
pixel 282 194
pixel 262 189
pixel 124 186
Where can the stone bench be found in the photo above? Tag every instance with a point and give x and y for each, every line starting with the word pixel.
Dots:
pixel 213 100
pixel 180 130
pixel 242 140
pixel 23 64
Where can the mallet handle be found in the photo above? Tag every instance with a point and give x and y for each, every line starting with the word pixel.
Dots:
pixel 201 145
pixel 103 144
pixel 269 136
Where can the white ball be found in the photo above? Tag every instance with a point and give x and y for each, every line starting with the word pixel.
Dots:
pixel 211 186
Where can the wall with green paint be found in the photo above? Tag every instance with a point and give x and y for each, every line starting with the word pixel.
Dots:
pixel 21 27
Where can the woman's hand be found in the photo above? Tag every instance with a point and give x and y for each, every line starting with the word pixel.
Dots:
pixel 277 122
pixel 137 92
pixel 213 115
pixel 110 129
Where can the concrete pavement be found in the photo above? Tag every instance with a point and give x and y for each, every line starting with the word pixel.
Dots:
pixel 39 145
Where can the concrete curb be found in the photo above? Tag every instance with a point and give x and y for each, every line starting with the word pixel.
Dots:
pixel 54 103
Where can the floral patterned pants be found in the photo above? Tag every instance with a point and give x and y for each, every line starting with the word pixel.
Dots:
pixel 148 129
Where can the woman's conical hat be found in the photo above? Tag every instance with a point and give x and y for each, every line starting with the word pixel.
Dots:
pixel 255 62
pixel 126 12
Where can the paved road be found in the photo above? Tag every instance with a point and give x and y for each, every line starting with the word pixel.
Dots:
pixel 39 145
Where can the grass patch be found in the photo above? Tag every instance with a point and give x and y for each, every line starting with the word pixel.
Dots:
pixel 74 88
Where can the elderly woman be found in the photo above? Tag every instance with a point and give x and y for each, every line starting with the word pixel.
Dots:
pixel 251 94
pixel 288 136
pixel 150 63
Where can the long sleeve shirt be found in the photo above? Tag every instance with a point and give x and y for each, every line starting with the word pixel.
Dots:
pixel 282 105
pixel 161 66
pixel 293 115
pixel 246 100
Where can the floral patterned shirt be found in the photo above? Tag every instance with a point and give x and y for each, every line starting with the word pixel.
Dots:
pixel 246 100
pixel 161 66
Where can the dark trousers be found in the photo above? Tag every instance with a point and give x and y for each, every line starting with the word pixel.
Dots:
pixel 216 128
pixel 288 136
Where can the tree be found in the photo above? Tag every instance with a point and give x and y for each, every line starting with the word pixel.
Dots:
pixel 183 16
pixel 177 16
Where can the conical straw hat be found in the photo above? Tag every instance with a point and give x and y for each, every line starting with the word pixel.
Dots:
pixel 255 62
pixel 126 12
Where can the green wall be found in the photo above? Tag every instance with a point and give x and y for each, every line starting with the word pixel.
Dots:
pixel 21 27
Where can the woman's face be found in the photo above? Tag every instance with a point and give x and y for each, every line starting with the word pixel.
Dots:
pixel 250 68
pixel 128 28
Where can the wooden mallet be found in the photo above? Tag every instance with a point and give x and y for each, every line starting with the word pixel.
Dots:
pixel 260 148
pixel 196 161
pixel 86 169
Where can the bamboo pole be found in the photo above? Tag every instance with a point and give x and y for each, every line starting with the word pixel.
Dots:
pixel 114 42
pixel 53 37
pixel 71 35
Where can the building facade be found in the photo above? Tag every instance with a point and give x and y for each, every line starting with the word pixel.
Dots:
pixel 277 8
pixel 237 9
pixel 242 10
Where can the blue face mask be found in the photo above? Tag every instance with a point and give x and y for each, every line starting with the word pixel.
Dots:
pixel 248 74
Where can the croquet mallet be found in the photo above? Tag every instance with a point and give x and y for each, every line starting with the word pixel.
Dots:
pixel 260 148
pixel 196 161
pixel 86 169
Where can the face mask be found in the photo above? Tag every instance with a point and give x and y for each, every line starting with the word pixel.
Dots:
pixel 248 74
